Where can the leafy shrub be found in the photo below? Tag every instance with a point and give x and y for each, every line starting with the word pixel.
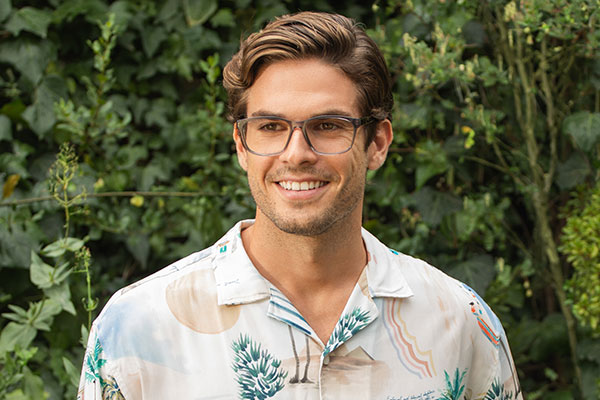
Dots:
pixel 116 159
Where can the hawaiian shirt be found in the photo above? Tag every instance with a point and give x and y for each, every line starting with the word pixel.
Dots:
pixel 210 326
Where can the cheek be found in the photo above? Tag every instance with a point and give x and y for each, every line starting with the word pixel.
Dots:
pixel 358 164
pixel 255 168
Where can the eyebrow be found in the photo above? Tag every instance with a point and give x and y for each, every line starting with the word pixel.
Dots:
pixel 331 111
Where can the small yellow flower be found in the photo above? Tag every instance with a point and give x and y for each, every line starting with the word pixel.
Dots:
pixel 137 201
pixel 99 184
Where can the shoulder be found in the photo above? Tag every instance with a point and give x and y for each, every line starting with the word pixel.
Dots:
pixel 139 317
pixel 426 278
pixel 389 268
pixel 148 288
pixel 437 290
pixel 433 291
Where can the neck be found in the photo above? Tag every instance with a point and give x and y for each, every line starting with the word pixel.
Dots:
pixel 306 264
pixel 316 273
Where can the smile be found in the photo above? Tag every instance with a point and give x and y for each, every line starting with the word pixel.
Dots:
pixel 299 186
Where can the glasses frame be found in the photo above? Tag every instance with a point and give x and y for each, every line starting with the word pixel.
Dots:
pixel 356 123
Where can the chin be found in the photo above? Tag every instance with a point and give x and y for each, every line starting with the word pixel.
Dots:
pixel 313 227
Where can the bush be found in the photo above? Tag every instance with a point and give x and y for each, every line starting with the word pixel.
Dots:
pixel 116 159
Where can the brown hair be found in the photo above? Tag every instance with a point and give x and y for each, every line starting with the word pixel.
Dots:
pixel 332 38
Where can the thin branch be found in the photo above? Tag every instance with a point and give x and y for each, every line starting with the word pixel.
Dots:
pixel 487 163
pixel 114 194
pixel 550 116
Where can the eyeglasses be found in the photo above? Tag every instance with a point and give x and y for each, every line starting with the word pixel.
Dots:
pixel 325 134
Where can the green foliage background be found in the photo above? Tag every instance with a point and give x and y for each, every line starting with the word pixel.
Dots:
pixel 116 159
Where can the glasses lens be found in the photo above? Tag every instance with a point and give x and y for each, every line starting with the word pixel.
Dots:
pixel 326 134
pixel 265 135
pixel 330 134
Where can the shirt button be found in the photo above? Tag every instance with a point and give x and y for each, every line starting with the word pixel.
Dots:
pixel 326 360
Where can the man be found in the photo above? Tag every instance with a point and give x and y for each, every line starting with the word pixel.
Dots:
pixel 301 303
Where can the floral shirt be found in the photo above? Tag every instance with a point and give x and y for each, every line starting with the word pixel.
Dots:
pixel 211 327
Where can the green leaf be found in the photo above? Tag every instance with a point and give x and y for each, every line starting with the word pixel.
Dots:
pixel 152 173
pixel 5 9
pixel 59 247
pixel 14 335
pixel 15 246
pixel 85 335
pixel 5 128
pixel 139 246
pixel 122 13
pixel 477 272
pixel 223 17
pixel 72 372
pixel 168 10
pixel 426 171
pixel 572 172
pixel 33 385
pixel 18 314
pixel 40 273
pixel 40 115
pixel 28 57
pixel 432 161
pixel 93 10
pixel 152 37
pixel 590 382
pixel 61 294
pixel 199 11
pixel 589 349
pixel 17 394
pixel 49 308
pixel 434 205
pixel 584 127
pixel 31 20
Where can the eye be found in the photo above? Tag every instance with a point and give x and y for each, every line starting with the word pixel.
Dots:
pixel 326 126
pixel 272 126
pixel 323 125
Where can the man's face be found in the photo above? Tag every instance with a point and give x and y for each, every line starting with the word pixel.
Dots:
pixel 299 191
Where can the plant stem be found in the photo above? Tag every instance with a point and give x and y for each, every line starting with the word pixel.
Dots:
pixel 550 115
pixel 88 280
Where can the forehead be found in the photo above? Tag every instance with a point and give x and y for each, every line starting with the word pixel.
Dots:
pixel 299 89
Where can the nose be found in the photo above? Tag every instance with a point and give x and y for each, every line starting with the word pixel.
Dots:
pixel 298 150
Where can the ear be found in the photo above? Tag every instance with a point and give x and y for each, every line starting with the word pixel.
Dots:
pixel 242 154
pixel 377 151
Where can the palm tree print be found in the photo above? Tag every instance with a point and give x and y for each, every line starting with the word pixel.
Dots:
pixel 305 377
pixel 496 392
pixel 296 378
pixel 111 390
pixel 259 374
pixel 93 363
pixel 454 387
pixel 348 325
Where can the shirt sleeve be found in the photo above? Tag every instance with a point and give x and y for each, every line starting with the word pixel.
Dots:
pixel 95 383
pixel 505 384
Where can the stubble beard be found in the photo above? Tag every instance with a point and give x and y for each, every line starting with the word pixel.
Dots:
pixel 343 205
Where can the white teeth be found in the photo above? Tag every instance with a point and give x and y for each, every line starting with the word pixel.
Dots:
pixel 299 186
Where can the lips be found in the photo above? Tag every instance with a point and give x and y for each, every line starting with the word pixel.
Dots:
pixel 301 186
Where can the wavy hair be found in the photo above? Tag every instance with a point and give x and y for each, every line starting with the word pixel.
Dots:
pixel 332 38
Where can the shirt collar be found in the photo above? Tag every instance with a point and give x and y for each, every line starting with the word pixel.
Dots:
pixel 384 269
pixel 238 281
